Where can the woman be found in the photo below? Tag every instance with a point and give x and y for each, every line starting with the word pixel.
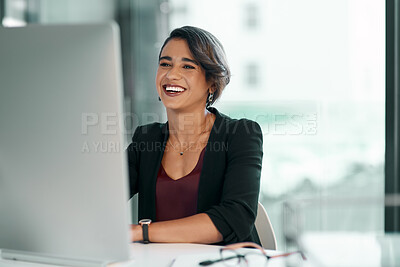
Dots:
pixel 198 175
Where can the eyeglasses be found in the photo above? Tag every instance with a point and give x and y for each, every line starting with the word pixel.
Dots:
pixel 231 257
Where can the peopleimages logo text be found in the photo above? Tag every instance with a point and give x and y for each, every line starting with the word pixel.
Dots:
pixel 109 123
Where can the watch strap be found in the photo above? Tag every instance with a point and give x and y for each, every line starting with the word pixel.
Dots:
pixel 145 229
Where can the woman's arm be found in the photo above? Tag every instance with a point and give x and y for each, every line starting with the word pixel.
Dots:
pixel 235 215
pixel 193 229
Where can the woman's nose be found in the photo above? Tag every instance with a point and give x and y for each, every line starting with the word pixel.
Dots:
pixel 174 73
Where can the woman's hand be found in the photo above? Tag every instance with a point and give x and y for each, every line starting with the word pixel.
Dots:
pixel 136 233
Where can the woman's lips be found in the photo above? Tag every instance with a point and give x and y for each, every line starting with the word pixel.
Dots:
pixel 173 90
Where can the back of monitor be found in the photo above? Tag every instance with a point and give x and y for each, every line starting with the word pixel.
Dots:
pixel 63 173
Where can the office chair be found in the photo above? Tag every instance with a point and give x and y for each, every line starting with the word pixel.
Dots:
pixel 264 229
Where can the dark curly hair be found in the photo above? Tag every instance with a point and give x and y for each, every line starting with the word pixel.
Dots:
pixel 209 52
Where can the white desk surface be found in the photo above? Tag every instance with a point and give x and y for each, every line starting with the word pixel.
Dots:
pixel 160 255
pixel 326 249
pixel 351 249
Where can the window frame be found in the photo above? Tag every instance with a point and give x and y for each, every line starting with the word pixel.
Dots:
pixel 392 135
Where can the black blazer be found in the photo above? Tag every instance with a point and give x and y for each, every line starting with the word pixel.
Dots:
pixel 229 182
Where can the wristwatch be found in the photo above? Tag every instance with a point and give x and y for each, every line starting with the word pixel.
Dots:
pixel 145 229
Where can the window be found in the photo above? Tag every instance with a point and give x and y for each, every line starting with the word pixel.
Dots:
pixel 251 16
pixel 252 73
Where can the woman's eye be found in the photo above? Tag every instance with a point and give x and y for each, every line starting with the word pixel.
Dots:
pixel 188 67
pixel 163 64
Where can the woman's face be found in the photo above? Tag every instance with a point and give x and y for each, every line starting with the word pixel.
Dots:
pixel 181 81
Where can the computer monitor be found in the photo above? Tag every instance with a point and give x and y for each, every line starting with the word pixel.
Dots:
pixel 63 170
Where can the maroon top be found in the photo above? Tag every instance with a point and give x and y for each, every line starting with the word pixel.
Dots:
pixel 177 199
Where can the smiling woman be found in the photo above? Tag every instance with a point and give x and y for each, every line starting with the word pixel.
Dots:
pixel 202 52
pixel 192 191
pixel 180 81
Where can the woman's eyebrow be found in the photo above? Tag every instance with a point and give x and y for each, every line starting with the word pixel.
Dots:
pixel 166 58
pixel 183 59
pixel 190 60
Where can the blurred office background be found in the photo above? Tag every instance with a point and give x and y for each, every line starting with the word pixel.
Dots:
pixel 310 72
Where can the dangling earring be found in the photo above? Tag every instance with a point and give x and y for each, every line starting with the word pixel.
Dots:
pixel 159 99
pixel 209 99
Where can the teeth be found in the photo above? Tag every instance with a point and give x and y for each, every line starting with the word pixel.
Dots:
pixel 174 89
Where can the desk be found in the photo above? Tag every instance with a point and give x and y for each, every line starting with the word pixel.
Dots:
pixel 155 255
pixel 162 255
pixel 355 249
pixel 351 249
